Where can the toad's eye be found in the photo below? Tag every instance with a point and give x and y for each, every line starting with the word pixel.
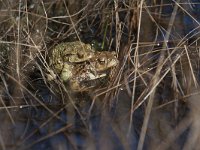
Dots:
pixel 80 54
pixel 102 60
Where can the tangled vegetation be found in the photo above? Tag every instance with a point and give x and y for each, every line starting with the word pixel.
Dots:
pixel 148 101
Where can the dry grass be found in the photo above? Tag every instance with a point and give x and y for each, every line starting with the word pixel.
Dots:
pixel 151 101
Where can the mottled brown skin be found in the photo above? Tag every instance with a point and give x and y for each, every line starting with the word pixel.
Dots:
pixel 74 52
pixel 65 55
pixel 78 63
